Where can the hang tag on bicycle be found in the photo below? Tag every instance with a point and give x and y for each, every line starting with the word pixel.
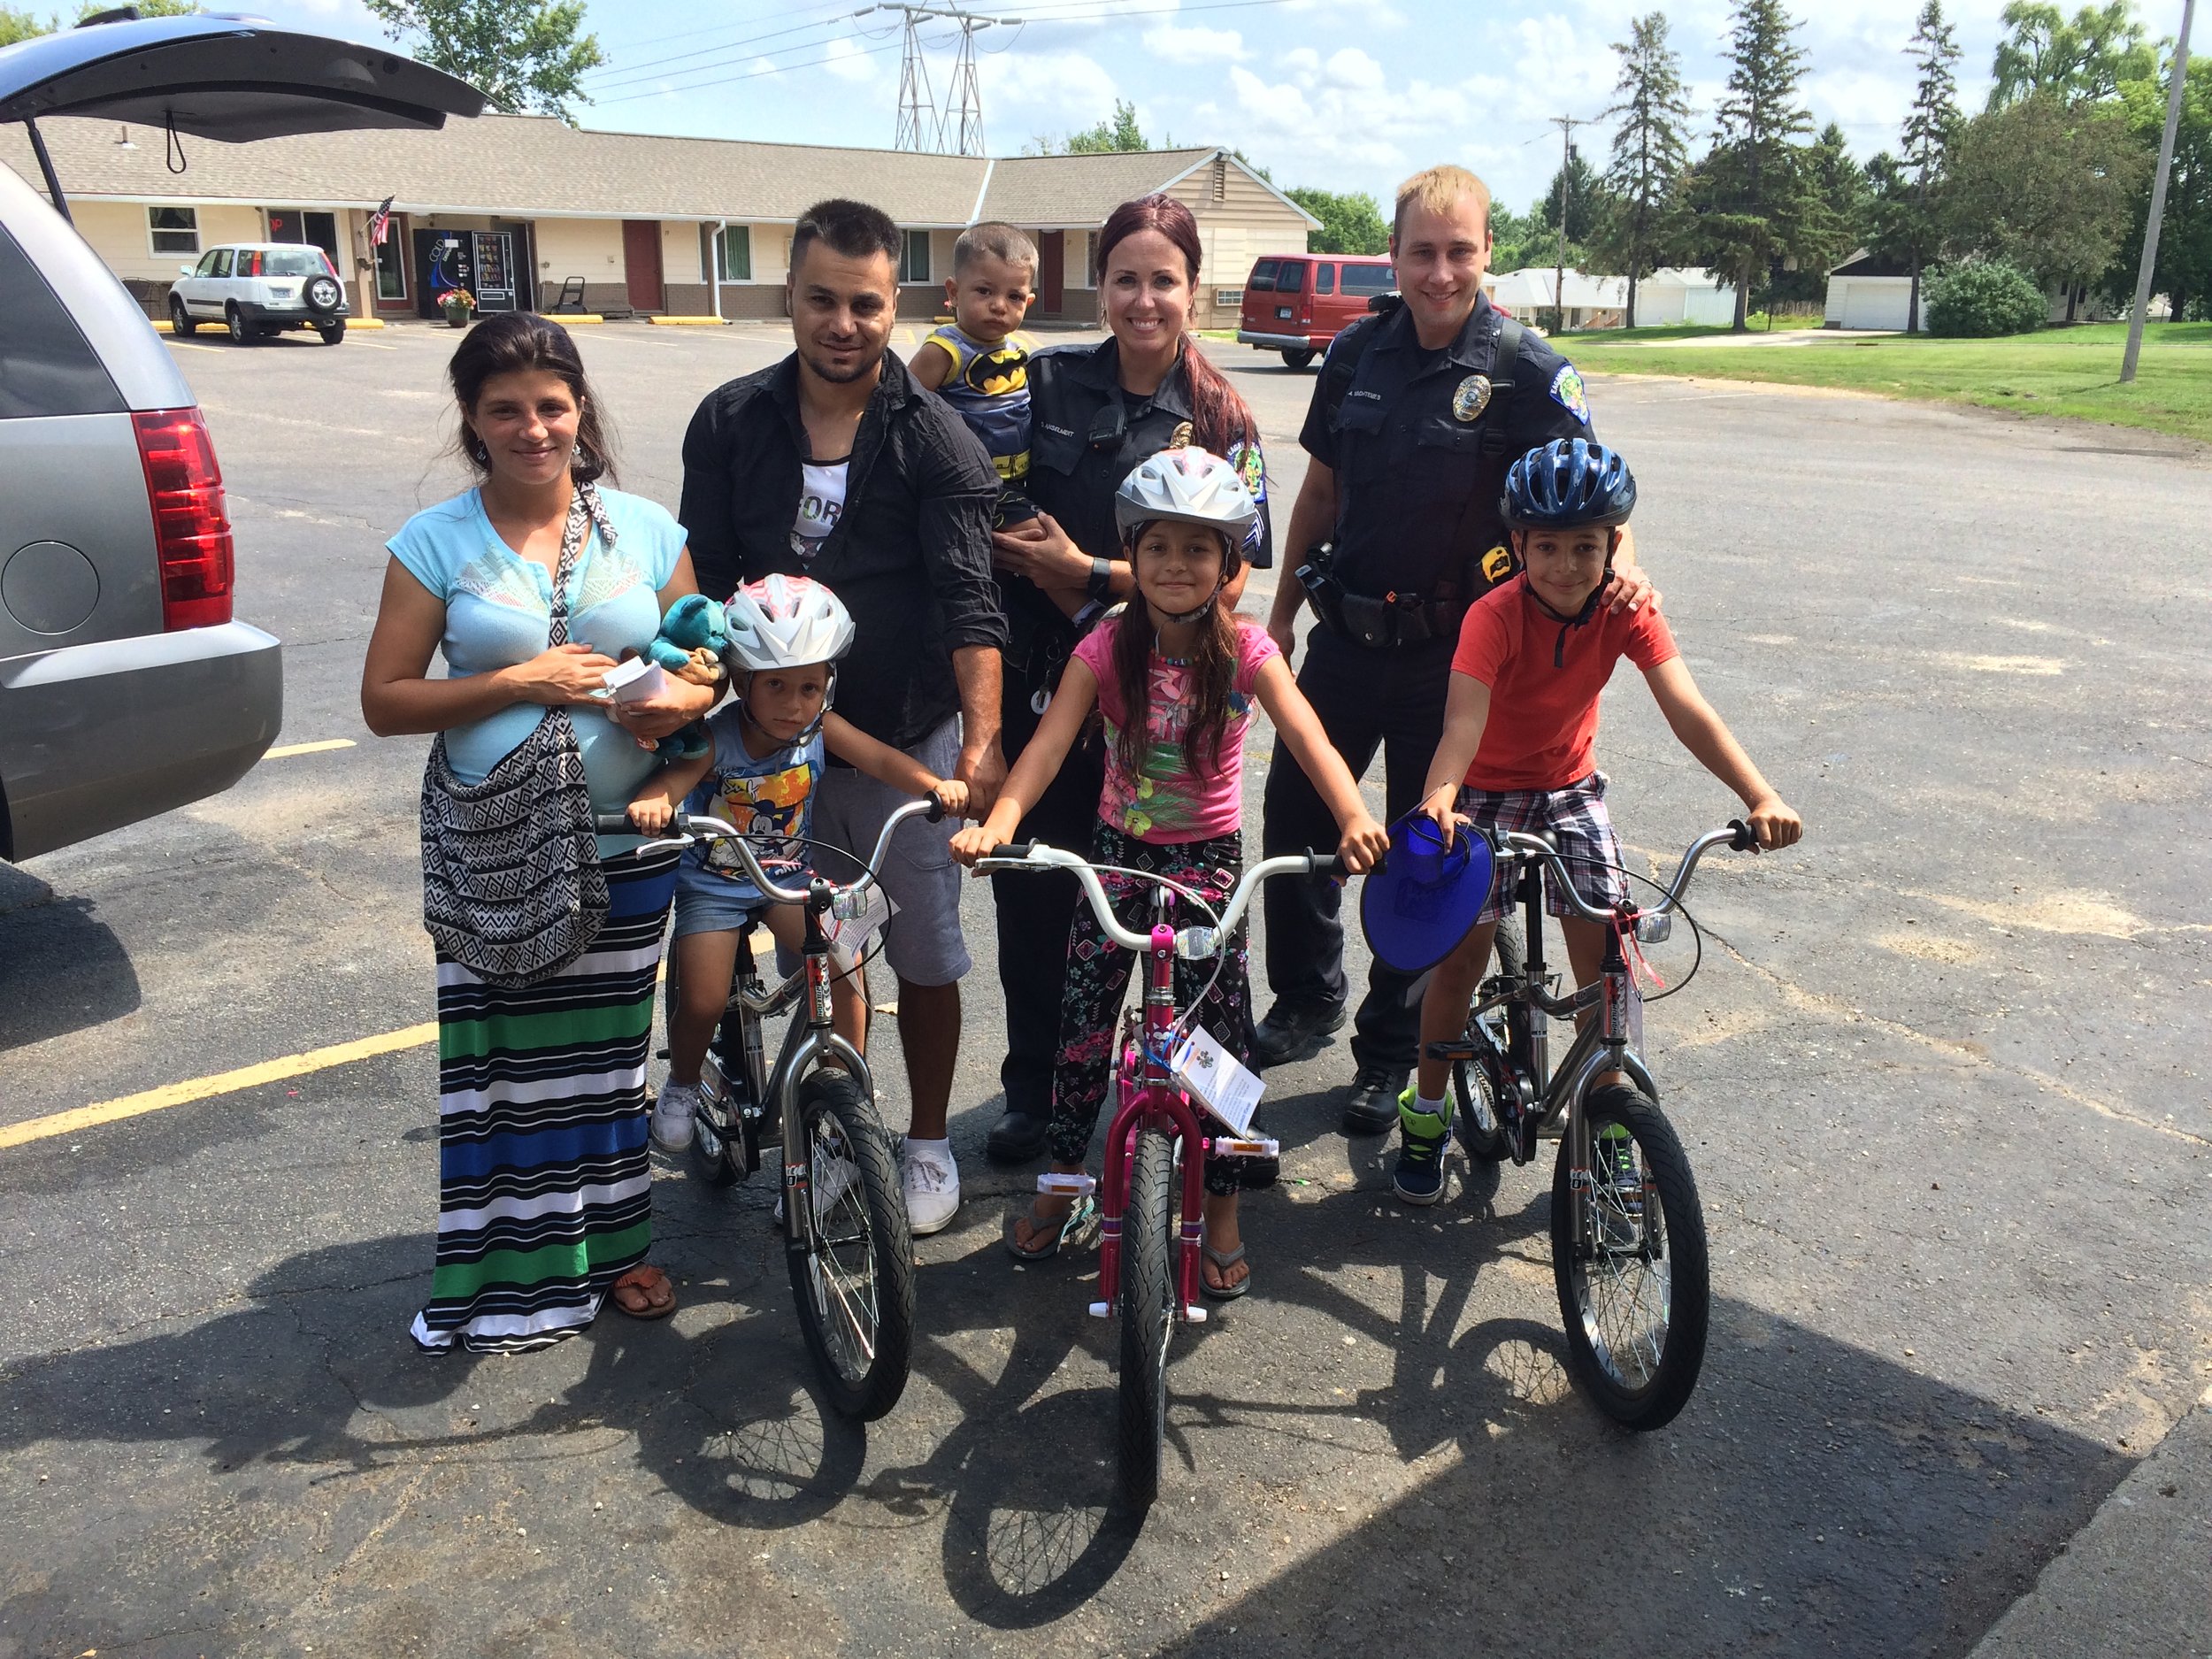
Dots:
pixel 1210 1075
pixel 849 930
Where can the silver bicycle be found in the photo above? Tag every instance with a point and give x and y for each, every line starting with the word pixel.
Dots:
pixel 846 1239
pixel 1629 1253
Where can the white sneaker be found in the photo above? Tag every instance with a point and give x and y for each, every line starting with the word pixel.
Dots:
pixel 672 1112
pixel 930 1181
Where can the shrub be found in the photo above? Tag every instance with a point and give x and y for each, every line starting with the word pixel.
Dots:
pixel 1984 297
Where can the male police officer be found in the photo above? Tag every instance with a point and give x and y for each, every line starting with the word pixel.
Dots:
pixel 1416 416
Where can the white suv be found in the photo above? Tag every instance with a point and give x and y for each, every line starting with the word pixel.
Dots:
pixel 260 288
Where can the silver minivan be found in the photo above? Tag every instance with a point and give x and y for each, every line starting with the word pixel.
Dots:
pixel 126 685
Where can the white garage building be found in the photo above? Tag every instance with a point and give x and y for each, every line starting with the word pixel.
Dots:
pixel 1867 291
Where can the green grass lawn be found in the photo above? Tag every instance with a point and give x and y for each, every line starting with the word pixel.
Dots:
pixel 2067 371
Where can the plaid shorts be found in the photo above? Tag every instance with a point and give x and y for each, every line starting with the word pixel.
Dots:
pixel 1576 818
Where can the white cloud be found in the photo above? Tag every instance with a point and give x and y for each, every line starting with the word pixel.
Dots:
pixel 1351 68
pixel 848 62
pixel 1075 86
pixel 1176 43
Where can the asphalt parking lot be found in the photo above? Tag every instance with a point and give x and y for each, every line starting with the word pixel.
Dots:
pixel 1941 1077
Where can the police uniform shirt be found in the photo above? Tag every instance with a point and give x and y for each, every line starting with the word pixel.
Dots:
pixel 1087 435
pixel 1417 487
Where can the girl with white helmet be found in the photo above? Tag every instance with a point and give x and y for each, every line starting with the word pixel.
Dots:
pixel 1174 678
pixel 759 774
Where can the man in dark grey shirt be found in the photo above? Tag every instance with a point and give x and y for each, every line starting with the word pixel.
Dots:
pixel 833 464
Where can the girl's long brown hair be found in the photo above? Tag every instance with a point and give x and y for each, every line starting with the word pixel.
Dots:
pixel 1213 666
pixel 1219 417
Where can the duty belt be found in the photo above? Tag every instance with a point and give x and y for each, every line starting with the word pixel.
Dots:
pixel 1378 624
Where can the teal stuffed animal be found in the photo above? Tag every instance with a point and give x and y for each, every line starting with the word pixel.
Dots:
pixel 694 635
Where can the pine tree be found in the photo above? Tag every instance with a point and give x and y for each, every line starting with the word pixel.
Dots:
pixel 1752 195
pixel 1928 129
pixel 1650 152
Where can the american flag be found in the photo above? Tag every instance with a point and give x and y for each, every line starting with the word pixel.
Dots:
pixel 380 223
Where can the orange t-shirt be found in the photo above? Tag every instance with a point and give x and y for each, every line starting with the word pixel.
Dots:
pixel 1544 676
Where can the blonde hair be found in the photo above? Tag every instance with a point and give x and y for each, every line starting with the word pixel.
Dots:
pixel 1439 190
pixel 994 239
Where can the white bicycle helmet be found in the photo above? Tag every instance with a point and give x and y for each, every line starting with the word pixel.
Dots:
pixel 786 622
pixel 1191 486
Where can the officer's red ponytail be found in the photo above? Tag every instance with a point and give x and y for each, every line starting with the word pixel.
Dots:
pixel 1219 417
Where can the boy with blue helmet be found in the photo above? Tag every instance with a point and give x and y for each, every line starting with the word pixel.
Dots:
pixel 1539 650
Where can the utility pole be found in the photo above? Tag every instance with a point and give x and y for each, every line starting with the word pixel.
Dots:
pixel 2158 199
pixel 1566 124
pixel 922 126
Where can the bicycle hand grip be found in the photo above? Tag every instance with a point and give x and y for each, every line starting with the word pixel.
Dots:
pixel 1016 850
pixel 613 823
pixel 1329 865
pixel 936 813
pixel 1745 839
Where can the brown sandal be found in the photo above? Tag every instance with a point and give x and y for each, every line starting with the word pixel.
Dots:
pixel 655 1297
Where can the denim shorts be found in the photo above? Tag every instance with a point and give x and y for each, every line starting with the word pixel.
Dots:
pixel 709 903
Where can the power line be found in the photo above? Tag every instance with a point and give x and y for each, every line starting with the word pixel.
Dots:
pixel 717 28
pixel 623 75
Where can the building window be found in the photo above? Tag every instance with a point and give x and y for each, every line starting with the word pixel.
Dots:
pixel 173 229
pixel 391 262
pixel 914 256
pixel 733 254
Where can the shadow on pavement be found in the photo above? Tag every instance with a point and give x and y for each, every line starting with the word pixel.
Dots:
pixel 62 969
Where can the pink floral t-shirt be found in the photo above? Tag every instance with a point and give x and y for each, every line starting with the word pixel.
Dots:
pixel 1168 801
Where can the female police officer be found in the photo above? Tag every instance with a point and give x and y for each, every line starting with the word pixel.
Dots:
pixel 1095 412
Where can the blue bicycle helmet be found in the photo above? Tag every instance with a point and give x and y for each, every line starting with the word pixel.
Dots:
pixel 1567 483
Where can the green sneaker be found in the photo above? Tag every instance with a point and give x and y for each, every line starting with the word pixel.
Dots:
pixel 1419 1177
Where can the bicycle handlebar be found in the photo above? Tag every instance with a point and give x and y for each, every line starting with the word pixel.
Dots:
pixel 1036 855
pixel 686 828
pixel 1737 835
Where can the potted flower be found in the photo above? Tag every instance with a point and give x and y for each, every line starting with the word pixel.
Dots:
pixel 459 305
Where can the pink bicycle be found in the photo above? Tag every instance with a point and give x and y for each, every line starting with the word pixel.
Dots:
pixel 1148 1269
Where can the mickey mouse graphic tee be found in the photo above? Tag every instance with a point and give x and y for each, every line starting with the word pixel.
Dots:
pixel 1171 799
pixel 768 798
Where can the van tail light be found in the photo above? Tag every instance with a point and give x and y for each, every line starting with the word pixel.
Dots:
pixel 191 529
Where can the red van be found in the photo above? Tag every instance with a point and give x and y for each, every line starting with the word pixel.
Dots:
pixel 1296 303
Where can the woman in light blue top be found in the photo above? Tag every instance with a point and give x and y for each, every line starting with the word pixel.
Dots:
pixel 545 1192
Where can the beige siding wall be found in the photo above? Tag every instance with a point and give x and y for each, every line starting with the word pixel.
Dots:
pixel 587 247
pixel 679 253
pixel 118 233
pixel 1238 219
pixel 1078 244
pixel 771 256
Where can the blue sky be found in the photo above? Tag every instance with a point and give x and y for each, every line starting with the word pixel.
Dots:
pixel 1341 94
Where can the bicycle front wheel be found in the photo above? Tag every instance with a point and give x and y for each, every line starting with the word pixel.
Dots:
pixel 1628 1251
pixel 1146 1296
pixel 856 1287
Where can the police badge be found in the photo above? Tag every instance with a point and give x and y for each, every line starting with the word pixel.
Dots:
pixel 1471 397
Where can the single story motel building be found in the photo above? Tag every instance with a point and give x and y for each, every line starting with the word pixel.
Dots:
pixel 528 212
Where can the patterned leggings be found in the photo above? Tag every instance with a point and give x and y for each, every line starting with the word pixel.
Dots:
pixel 1098 979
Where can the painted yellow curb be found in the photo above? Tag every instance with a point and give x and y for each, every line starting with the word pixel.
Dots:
pixel 163 325
pixel 353 323
pixel 689 322
pixel 573 317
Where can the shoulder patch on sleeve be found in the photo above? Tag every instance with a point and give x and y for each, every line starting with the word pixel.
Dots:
pixel 1251 466
pixel 1566 392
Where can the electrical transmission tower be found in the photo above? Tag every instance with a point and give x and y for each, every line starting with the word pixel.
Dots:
pixel 956 128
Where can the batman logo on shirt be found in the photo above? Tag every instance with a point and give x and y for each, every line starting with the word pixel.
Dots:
pixel 996 372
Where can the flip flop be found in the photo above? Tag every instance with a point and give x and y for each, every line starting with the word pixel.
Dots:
pixel 644 1280
pixel 1076 1229
pixel 1223 1260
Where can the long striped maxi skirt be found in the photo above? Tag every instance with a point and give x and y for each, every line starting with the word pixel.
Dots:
pixel 544 1190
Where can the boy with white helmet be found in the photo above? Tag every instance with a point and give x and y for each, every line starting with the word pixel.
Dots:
pixel 759 775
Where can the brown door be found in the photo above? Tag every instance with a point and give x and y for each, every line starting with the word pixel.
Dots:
pixel 641 262
pixel 1052 272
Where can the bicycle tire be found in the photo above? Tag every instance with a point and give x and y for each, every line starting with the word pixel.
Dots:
pixel 1478 1113
pixel 1637 1378
pixel 1147 1297
pixel 855 1288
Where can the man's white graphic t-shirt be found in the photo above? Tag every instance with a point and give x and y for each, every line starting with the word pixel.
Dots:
pixel 821 499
